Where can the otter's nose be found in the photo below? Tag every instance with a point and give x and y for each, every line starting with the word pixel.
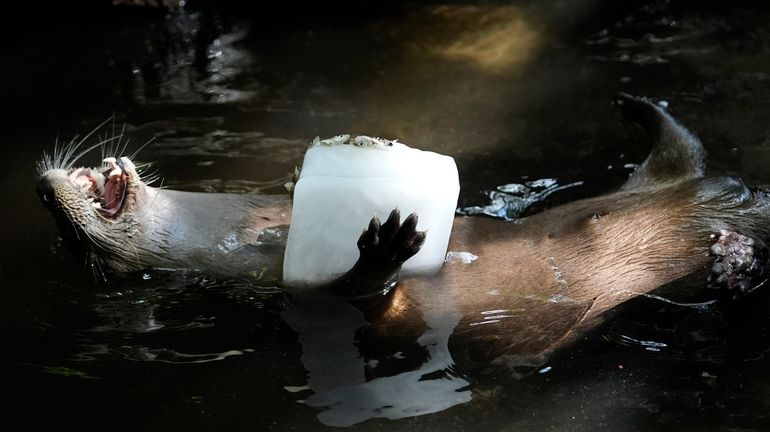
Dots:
pixel 46 193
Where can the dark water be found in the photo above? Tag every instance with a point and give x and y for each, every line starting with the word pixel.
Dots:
pixel 515 92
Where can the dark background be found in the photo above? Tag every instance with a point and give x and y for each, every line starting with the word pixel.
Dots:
pixel 232 92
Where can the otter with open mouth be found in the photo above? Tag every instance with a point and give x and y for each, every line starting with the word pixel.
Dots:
pixel 536 285
pixel 110 219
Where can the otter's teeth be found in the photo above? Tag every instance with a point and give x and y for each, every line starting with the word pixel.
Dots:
pixel 128 166
pixel 98 178
pixel 116 170
pixel 75 174
pixel 96 205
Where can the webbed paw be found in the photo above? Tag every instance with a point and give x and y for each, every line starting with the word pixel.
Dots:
pixel 383 249
pixel 741 264
pixel 390 244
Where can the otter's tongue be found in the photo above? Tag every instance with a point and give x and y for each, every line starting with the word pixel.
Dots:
pixel 106 190
pixel 89 181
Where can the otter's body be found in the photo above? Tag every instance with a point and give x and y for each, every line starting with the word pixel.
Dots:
pixel 538 283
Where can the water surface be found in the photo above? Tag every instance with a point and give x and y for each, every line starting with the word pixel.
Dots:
pixel 517 92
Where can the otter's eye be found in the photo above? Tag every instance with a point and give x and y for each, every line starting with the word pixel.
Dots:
pixel 45 192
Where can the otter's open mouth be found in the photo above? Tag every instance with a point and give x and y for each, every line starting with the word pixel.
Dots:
pixel 105 189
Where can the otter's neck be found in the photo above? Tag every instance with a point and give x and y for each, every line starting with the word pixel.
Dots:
pixel 234 235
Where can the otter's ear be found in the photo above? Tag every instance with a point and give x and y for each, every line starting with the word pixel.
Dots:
pixel 676 154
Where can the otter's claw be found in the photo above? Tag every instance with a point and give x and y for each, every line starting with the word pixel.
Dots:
pixel 741 264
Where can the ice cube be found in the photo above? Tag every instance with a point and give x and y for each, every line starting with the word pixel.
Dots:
pixel 342 186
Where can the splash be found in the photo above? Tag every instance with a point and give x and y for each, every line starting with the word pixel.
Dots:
pixel 510 201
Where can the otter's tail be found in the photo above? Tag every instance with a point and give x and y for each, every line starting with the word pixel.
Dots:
pixel 676 154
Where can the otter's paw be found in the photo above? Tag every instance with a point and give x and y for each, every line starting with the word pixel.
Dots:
pixel 741 264
pixel 390 244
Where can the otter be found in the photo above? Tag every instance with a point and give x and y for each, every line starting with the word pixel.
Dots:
pixel 538 284
pixel 110 219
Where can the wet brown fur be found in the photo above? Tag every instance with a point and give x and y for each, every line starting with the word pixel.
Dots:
pixel 557 274
pixel 542 282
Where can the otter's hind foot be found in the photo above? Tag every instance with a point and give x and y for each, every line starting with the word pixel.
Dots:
pixel 741 264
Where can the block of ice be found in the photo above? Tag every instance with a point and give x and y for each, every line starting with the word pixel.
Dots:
pixel 342 185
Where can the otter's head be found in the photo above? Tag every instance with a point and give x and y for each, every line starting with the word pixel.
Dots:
pixel 94 207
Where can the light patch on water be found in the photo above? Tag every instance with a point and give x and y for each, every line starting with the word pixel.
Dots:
pixel 492 38
pixel 229 243
pixel 175 140
pixel 166 355
pixel 646 344
pixel 65 372
pixel 653 49
pixel 296 389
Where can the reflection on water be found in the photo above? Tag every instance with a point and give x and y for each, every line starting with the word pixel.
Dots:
pixel 221 143
pixel 141 316
pixel 232 94
pixel 165 355
pixel 190 58
pixel 337 370
pixel 652 48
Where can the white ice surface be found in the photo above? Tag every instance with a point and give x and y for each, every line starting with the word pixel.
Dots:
pixel 342 186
